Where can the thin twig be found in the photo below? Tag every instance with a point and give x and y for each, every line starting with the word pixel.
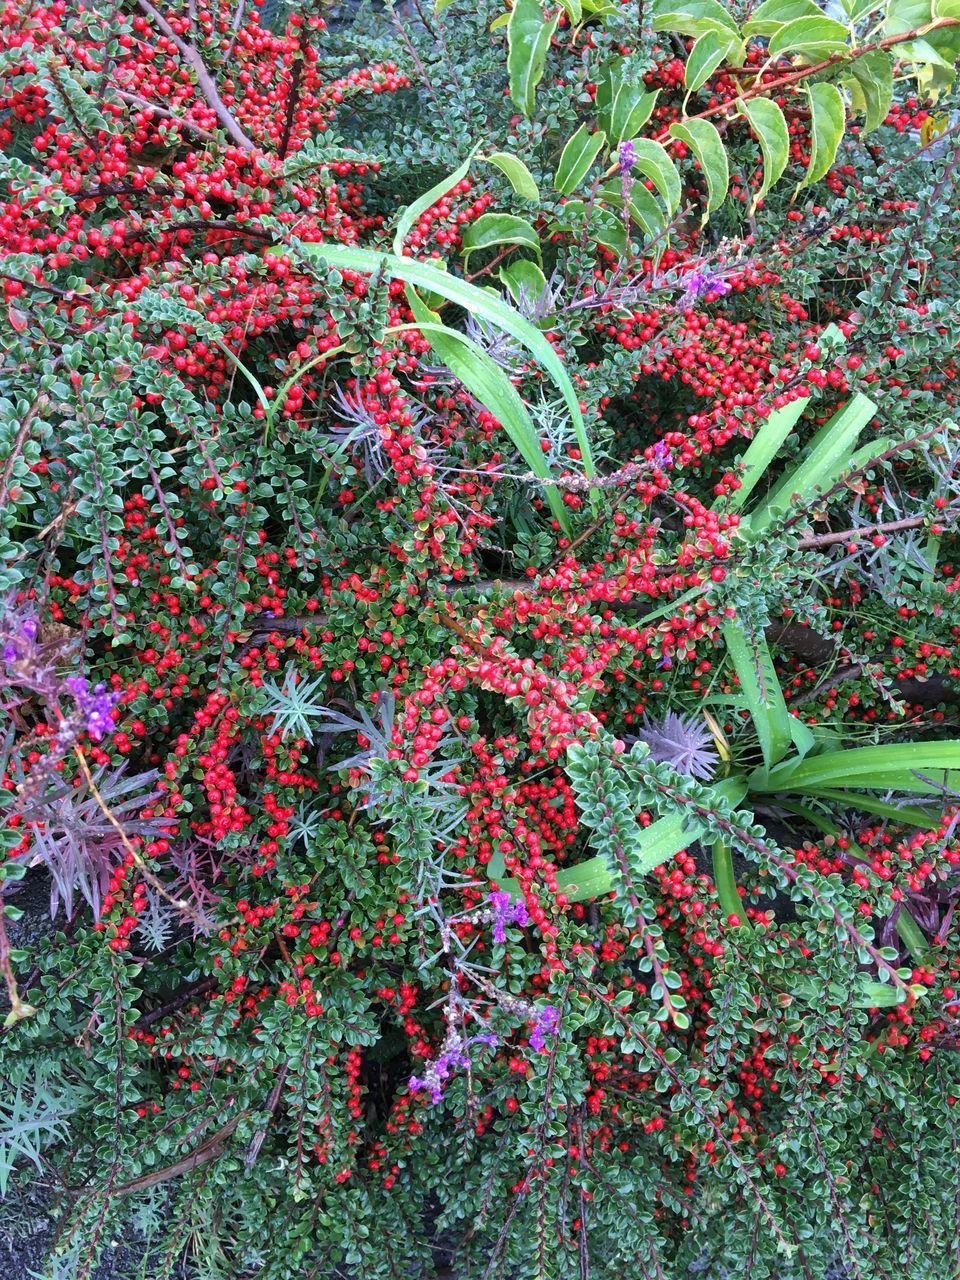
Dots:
pixel 181 904
pixel 205 81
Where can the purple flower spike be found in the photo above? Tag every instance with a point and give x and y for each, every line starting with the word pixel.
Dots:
pixel 505 912
pixel 453 1057
pixel 95 706
pixel 545 1023
pixel 627 157
pixel 663 456
pixel 702 284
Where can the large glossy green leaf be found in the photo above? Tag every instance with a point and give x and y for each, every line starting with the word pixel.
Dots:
pixel 770 16
pixel 705 142
pixel 693 17
pixel 709 51
pixel 643 208
pixel 654 163
pixel 873 76
pixel 577 157
pixel 753 664
pixel 809 38
pixel 528 39
pixel 516 173
pixel 492 229
pixel 936 48
pixel 603 227
pixel 827 120
pixel 623 105
pixel 769 124
pixel 523 278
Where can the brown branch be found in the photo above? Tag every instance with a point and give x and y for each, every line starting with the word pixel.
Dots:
pixel 292 99
pixel 17 447
pixel 260 1136
pixel 175 1002
pixel 144 104
pixel 211 1148
pixel 846 56
pixel 205 81
pixel 866 531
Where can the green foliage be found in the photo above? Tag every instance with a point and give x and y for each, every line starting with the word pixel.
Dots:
pixel 535 373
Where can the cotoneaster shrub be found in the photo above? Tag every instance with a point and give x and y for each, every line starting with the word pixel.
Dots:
pixel 478 515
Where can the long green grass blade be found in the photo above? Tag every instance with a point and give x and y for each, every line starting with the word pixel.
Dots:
pixel 758 679
pixel 829 453
pixel 652 847
pixel 726 884
pixel 413 211
pixel 488 382
pixel 909 815
pixel 893 766
pixel 485 305
pixel 763 449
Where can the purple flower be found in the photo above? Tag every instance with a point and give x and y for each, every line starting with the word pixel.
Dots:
pixel 663 456
pixel 96 705
pixel 684 742
pixel 28 664
pixel 434 1088
pixel 627 157
pixel 699 284
pixel 504 912
pixel 546 1022
pixel 453 1057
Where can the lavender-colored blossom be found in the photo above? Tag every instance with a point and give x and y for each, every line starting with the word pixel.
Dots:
pixel 95 705
pixel 701 283
pixel 627 158
pixel 504 912
pixel 28 664
pixel 546 1023
pixel 663 456
pixel 684 742
pixel 453 1057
